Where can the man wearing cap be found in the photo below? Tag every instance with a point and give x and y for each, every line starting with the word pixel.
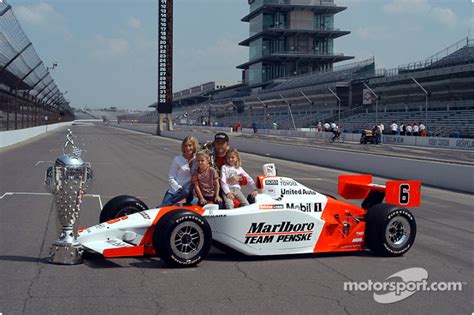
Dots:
pixel 220 147
pixel 218 151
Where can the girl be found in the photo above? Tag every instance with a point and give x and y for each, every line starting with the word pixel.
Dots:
pixel 206 180
pixel 230 174
pixel 179 175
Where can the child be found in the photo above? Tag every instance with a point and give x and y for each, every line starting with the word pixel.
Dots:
pixel 230 174
pixel 206 180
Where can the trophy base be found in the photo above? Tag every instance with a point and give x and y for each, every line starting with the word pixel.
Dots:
pixel 66 254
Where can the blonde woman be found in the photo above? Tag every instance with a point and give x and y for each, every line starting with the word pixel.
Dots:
pixel 179 175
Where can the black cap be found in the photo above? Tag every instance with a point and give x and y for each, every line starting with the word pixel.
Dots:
pixel 221 136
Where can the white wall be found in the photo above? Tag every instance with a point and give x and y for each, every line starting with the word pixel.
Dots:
pixel 11 137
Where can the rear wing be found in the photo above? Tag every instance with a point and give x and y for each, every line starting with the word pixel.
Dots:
pixel 404 193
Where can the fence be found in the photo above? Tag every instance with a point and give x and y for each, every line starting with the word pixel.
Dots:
pixel 28 94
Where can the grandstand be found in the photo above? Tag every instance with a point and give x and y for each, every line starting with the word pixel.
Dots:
pixel 302 101
pixel 28 94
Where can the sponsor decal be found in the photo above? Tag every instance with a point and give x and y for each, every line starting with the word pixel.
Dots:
pixel 271 207
pixel 216 215
pixel 305 207
pixel 465 143
pixel 357 240
pixel 288 182
pixel 117 220
pixel 144 215
pixel 439 142
pixel 393 139
pixel 116 243
pixel 352 246
pixel 263 233
pixel 271 182
pixel 300 191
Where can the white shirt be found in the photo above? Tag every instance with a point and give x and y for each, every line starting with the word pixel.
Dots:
pixel 382 127
pixel 409 128
pixel 179 175
pixel 326 126
pixel 394 127
pixel 228 171
pixel 422 127
pixel 416 128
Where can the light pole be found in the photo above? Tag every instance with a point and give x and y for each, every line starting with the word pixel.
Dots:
pixel 289 110
pixel 338 106
pixel 376 102
pixel 264 112
pixel 426 99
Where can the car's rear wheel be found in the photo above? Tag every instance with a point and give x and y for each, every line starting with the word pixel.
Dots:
pixel 390 230
pixel 121 206
pixel 182 238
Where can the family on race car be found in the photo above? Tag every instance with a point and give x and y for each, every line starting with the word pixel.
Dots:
pixel 210 175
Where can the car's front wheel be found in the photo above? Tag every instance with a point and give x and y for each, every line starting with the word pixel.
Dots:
pixel 182 238
pixel 120 206
pixel 390 230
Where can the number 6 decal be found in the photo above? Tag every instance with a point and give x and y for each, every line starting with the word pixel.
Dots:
pixel 404 196
pixel 404 193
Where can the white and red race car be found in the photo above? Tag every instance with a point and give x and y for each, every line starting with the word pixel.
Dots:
pixel 285 218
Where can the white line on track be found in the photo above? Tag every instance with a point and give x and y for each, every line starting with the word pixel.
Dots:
pixel 10 193
pixel 39 162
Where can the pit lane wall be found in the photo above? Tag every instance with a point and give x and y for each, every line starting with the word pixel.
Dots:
pixel 433 173
pixel 433 142
pixel 11 137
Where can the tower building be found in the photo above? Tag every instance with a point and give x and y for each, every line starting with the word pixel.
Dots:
pixel 290 37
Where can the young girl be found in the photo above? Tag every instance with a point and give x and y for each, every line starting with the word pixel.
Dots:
pixel 231 172
pixel 206 180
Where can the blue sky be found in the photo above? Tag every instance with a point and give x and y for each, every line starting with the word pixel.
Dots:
pixel 106 49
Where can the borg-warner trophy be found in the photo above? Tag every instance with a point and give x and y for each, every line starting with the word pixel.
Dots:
pixel 67 180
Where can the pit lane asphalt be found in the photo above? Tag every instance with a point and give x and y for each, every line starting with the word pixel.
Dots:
pixel 126 162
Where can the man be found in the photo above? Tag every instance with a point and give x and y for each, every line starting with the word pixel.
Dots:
pixel 423 132
pixel 254 127
pixel 327 126
pixel 416 130
pixel 335 130
pixel 218 150
pixel 394 128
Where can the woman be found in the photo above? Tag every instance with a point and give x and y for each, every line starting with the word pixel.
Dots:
pixel 179 175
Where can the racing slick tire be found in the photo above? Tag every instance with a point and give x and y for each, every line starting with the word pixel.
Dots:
pixel 120 206
pixel 390 230
pixel 182 238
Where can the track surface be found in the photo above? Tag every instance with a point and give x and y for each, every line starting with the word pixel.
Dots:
pixel 127 162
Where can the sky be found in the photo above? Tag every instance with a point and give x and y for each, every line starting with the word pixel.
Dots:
pixel 106 50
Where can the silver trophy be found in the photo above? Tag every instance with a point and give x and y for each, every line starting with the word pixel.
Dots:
pixel 67 180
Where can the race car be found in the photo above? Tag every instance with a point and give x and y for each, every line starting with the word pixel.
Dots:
pixel 285 218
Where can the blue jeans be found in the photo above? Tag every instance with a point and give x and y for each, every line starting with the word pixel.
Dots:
pixel 171 199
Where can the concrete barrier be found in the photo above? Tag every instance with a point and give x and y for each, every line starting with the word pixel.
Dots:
pixel 11 137
pixel 432 173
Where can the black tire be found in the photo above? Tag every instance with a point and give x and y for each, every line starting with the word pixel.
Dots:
pixel 195 232
pixel 390 230
pixel 120 206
